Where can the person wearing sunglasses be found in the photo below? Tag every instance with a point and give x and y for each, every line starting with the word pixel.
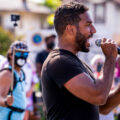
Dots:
pixel 13 103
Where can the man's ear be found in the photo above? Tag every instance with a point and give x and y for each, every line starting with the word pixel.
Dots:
pixel 71 29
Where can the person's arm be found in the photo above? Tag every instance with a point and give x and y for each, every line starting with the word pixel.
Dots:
pixel 5 81
pixel 29 92
pixel 83 87
pixel 112 102
pixel 39 64
pixel 38 69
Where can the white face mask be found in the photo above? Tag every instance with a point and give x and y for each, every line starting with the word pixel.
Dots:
pixel 21 62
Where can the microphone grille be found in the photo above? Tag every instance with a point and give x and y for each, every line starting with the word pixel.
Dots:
pixel 98 42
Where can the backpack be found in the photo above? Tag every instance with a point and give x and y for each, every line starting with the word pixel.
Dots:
pixel 15 78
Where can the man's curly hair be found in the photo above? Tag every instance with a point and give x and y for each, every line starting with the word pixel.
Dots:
pixel 68 14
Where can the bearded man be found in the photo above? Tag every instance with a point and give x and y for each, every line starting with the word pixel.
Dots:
pixel 70 91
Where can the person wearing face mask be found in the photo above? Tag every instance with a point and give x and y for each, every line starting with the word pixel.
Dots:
pixel 16 110
pixel 41 56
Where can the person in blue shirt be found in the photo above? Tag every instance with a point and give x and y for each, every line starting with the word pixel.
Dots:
pixel 13 103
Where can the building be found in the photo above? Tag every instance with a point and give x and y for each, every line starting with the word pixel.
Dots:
pixel 32 22
pixel 33 16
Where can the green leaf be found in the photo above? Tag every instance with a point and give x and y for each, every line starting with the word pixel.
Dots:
pixel 5 41
pixel 53 4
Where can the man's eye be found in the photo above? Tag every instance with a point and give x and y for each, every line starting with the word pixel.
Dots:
pixel 88 24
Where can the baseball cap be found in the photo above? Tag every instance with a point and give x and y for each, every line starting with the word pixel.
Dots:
pixel 19 46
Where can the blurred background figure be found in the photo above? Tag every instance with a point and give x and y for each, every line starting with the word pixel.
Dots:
pixel 117 81
pixel 117 73
pixel 97 64
pixel 16 111
pixel 41 56
pixel 31 80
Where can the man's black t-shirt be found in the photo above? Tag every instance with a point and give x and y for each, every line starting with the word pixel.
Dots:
pixel 42 56
pixel 59 67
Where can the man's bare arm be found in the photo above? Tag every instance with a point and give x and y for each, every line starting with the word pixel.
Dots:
pixel 83 87
pixel 5 82
pixel 112 102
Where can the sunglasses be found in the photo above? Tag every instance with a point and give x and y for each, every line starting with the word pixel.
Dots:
pixel 22 54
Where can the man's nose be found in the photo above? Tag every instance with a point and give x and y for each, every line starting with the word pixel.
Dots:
pixel 93 30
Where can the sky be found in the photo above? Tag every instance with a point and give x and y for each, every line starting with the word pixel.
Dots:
pixel 37 1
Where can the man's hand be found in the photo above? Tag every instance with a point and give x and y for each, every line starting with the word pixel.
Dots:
pixel 109 48
pixel 9 100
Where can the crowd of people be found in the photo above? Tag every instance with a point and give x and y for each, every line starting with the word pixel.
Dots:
pixel 71 90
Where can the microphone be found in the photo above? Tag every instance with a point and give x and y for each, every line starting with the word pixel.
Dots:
pixel 98 43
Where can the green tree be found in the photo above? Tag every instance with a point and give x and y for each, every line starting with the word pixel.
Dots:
pixel 5 41
pixel 52 4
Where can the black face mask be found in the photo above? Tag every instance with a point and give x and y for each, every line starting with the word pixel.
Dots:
pixel 20 62
pixel 51 45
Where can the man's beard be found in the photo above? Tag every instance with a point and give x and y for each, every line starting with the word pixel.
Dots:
pixel 81 42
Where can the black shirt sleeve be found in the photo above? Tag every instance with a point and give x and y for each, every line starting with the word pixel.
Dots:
pixel 61 69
